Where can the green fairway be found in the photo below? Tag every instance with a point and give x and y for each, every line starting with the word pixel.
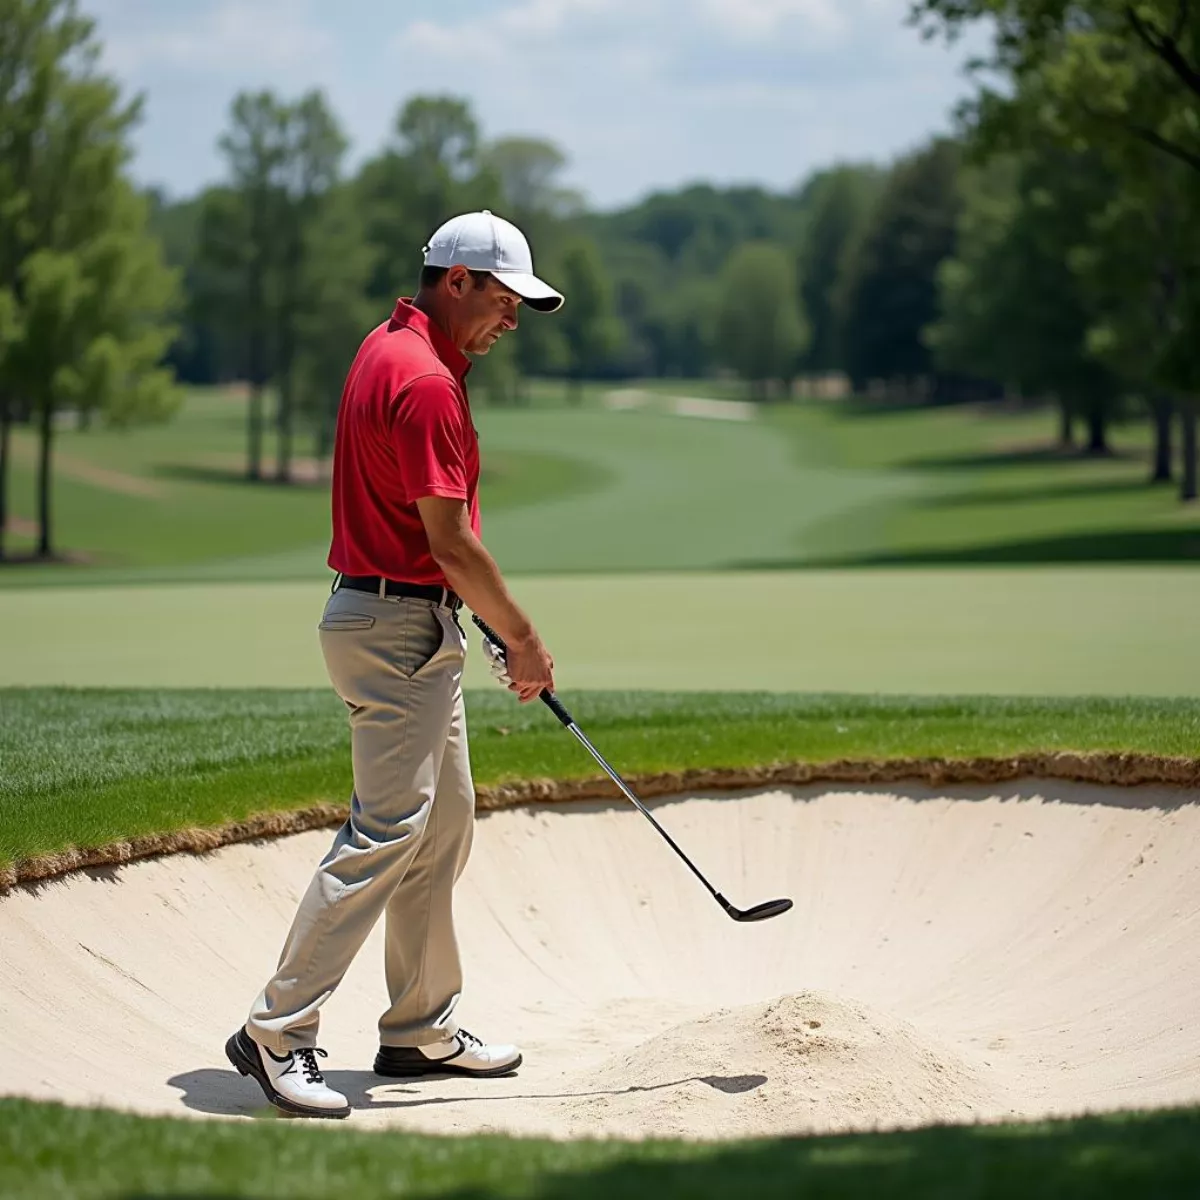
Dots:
pixel 594 490
pixel 1081 631
pixel 50 1153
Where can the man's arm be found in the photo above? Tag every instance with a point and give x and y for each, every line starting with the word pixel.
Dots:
pixel 473 574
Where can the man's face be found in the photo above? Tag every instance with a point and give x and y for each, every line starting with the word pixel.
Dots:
pixel 483 313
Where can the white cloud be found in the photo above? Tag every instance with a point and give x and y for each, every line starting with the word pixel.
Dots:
pixel 756 20
pixel 226 37
pixel 640 93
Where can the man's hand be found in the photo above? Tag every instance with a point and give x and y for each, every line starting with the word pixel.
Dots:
pixel 527 669
pixel 472 573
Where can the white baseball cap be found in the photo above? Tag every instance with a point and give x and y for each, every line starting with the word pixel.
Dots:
pixel 481 241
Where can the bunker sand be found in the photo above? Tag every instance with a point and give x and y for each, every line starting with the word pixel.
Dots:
pixel 984 954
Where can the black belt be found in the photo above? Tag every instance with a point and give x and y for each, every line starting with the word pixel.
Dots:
pixel 391 587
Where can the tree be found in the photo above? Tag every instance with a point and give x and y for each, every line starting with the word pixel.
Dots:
pixel 837 205
pixel 35 39
pixel 313 148
pixel 1117 69
pixel 87 291
pixel 427 172
pixel 1123 81
pixel 1013 309
pixel 526 171
pixel 587 319
pixel 889 290
pixel 761 332
pixel 336 314
pixel 244 233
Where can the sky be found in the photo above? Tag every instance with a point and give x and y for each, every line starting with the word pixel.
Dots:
pixel 640 94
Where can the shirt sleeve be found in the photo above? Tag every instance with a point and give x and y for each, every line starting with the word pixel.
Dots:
pixel 429 435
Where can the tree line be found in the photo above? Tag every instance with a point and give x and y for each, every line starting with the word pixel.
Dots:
pixel 1048 249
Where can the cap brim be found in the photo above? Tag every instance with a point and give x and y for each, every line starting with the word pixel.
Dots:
pixel 539 295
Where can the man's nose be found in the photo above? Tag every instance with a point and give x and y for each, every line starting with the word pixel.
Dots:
pixel 510 320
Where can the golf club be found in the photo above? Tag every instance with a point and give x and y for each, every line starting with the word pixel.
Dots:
pixel 760 912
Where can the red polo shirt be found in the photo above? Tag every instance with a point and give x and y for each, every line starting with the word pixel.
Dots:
pixel 404 431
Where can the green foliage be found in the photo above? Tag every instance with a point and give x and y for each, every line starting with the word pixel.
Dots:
pixel 888 294
pixel 281 267
pixel 1013 307
pixel 837 205
pixel 526 171
pixel 587 320
pixel 1120 81
pixel 87 296
pixel 760 329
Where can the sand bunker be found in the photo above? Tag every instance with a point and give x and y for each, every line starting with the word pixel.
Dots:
pixel 948 959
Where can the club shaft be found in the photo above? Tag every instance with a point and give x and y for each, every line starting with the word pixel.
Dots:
pixel 632 798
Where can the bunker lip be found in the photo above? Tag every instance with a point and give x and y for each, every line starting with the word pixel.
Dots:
pixel 1106 769
pixel 970 953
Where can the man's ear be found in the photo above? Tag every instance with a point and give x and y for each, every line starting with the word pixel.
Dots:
pixel 457 278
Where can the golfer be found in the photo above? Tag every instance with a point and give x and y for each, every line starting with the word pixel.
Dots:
pixel 407 554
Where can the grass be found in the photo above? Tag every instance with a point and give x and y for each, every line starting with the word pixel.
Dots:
pixel 86 768
pixel 174 495
pixel 588 489
pixel 1013 631
pixel 985 490
pixel 52 1153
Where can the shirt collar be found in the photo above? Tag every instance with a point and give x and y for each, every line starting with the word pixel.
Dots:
pixel 406 316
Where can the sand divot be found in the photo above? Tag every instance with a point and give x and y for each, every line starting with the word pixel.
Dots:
pixel 806 1063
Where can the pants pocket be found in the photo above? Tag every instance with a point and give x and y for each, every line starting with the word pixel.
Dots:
pixel 422 642
pixel 345 621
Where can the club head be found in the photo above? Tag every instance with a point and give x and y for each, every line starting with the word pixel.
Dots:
pixel 760 912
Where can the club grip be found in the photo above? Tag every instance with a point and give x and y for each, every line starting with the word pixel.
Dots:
pixel 547 697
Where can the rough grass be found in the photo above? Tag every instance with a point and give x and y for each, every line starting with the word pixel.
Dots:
pixel 53 1153
pixel 83 768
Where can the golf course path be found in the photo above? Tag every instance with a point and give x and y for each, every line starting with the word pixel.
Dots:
pixel 976 955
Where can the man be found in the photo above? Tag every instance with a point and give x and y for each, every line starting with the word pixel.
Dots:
pixel 407 552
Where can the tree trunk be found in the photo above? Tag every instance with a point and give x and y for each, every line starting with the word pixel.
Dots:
pixel 254 432
pixel 1097 425
pixel 1162 409
pixel 1188 414
pixel 283 461
pixel 5 441
pixel 1066 425
pixel 45 541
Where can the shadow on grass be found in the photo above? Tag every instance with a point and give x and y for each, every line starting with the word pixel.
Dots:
pixel 49 1151
pixel 1115 546
pixel 1084 489
pixel 1091 1158
pixel 224 476
pixel 1017 456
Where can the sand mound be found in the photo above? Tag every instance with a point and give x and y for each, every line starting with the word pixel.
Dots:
pixel 1029 952
pixel 806 1063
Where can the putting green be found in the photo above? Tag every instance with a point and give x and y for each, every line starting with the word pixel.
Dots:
pixel 1101 631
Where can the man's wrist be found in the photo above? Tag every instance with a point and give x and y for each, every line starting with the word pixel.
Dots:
pixel 522 636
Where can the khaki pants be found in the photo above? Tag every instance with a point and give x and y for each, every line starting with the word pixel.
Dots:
pixel 398 666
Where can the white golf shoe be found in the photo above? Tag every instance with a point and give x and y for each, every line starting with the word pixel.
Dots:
pixel 462 1054
pixel 292 1082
